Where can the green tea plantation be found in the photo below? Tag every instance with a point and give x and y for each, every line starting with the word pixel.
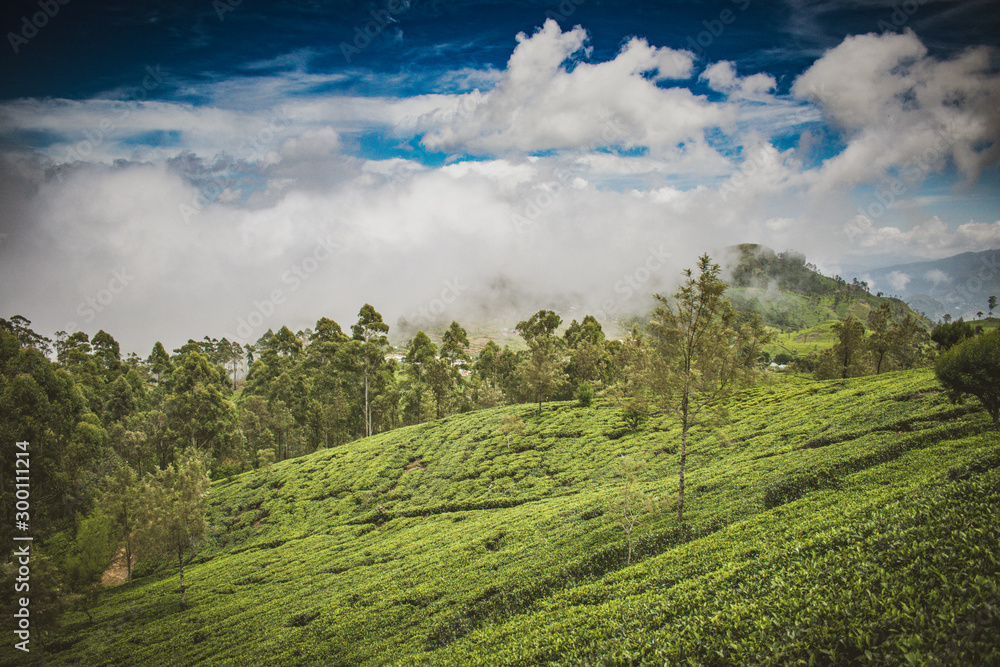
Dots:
pixel 852 522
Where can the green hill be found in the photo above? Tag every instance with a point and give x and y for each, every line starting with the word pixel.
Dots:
pixel 790 294
pixel 832 522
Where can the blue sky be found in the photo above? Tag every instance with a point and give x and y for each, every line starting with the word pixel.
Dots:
pixel 243 165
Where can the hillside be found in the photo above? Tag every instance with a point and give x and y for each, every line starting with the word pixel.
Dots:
pixel 791 295
pixel 836 521
pixel 959 285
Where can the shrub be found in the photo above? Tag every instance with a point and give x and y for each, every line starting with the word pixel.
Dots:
pixel 973 367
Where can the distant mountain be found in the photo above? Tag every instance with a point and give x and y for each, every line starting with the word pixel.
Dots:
pixel 959 286
pixel 789 293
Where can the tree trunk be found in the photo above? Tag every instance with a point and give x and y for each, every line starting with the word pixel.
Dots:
pixel 180 559
pixel 128 559
pixel 680 488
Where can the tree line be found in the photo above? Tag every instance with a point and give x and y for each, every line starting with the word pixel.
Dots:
pixel 124 448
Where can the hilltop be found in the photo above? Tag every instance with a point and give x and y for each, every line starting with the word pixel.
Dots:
pixel 834 521
pixel 791 294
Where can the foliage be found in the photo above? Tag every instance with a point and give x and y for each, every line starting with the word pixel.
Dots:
pixel 950 334
pixel 439 544
pixel 585 394
pixel 175 513
pixel 702 353
pixel 973 367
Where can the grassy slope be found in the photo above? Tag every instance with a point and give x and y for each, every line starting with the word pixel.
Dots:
pixel 821 519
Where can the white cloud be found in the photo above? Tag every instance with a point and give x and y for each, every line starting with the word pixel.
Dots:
pixel 931 238
pixel 722 77
pixel 904 109
pixel 898 280
pixel 937 276
pixel 539 104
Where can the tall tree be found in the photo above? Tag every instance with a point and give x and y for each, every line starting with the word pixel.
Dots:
pixel 178 504
pixel 420 359
pixel 542 372
pixel 370 332
pixel 702 353
pixel 159 363
pixel 197 410
pixel 881 341
pixel 455 347
pixel 121 501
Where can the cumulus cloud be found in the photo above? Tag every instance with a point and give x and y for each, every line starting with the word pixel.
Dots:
pixel 905 110
pixel 542 104
pixel 570 184
pixel 722 77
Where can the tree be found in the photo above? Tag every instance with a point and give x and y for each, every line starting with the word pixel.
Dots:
pixel 632 504
pixel 896 342
pixel 421 360
pixel 512 425
pixel 370 332
pixel 20 327
pixel 121 501
pixel 633 391
pixel 973 367
pixel 702 353
pixel 265 459
pixel 92 552
pixel 880 341
pixel 455 347
pixel 585 394
pixel 196 408
pixel 159 363
pixel 420 356
pixel 846 358
pixel 589 330
pixel 178 502
pixel 992 303
pixel 542 372
pixel 951 334
pixel 488 363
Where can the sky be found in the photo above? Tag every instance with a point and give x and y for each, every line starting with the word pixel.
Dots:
pixel 176 169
